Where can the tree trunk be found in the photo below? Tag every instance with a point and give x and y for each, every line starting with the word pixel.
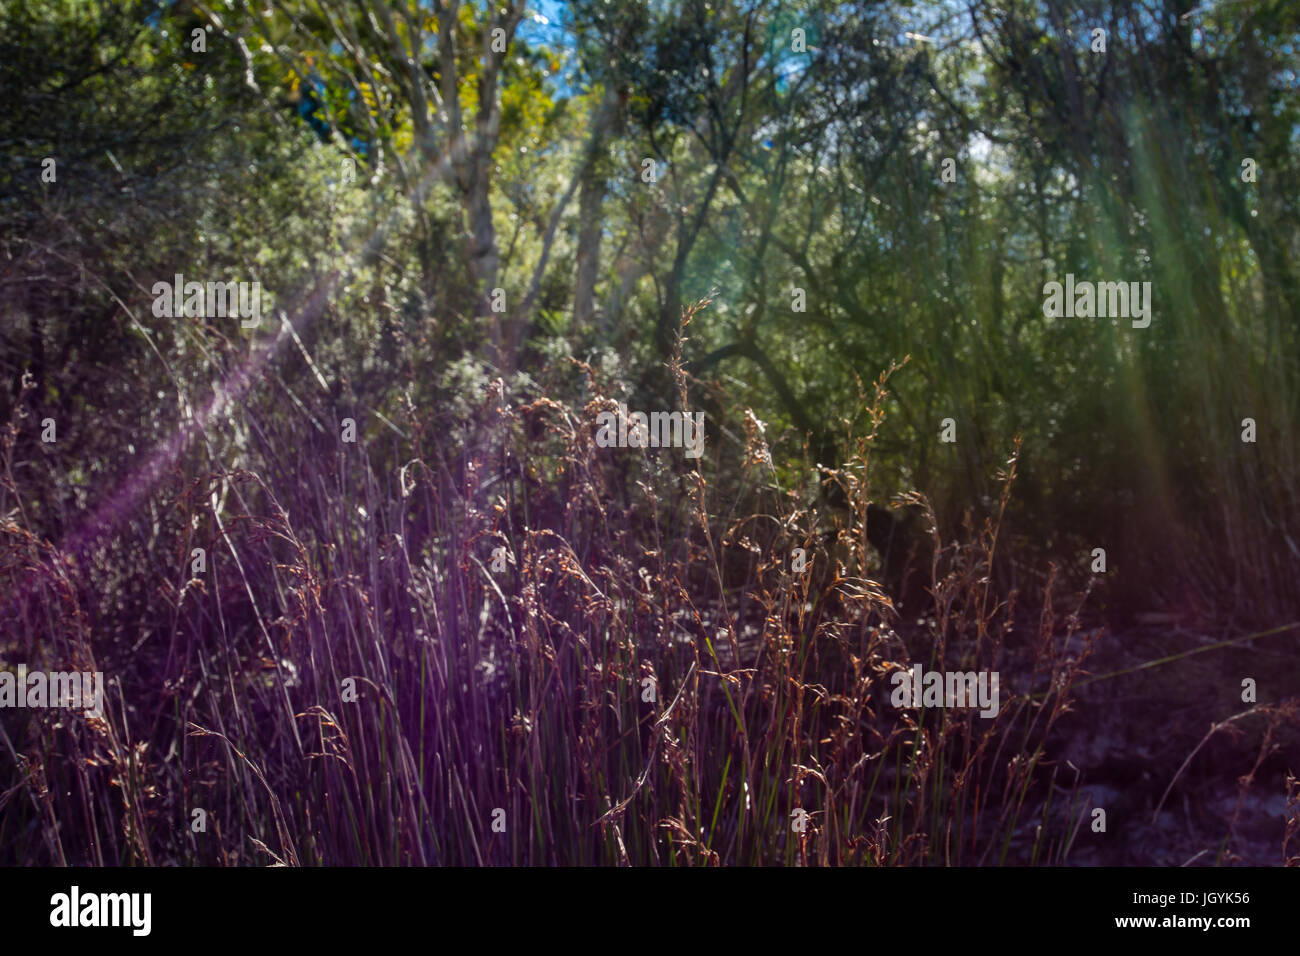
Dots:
pixel 591 200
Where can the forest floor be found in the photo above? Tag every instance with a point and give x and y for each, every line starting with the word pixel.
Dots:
pixel 1131 735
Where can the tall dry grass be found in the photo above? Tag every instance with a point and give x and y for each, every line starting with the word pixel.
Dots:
pixel 629 574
